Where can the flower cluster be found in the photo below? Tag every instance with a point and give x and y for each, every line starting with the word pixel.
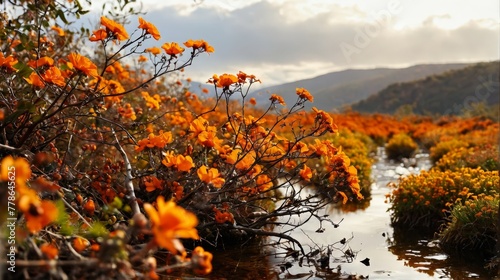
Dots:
pixel 400 146
pixel 73 126
pixel 487 157
pixel 424 200
pixel 37 212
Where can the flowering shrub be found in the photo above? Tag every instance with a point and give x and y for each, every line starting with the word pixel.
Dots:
pixel 378 127
pixel 442 148
pixel 69 120
pixel 486 157
pixel 423 200
pixel 400 146
pixel 358 148
pixel 472 228
pixel 98 141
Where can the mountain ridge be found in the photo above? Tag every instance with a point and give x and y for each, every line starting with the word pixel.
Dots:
pixel 450 92
pixel 334 90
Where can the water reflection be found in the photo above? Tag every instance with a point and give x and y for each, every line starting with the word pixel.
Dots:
pixel 245 262
pixel 392 254
pixel 423 254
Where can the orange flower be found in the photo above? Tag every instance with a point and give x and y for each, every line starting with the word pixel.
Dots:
pixel 320 148
pixel 149 28
pixel 209 139
pixel 324 122
pixel 304 94
pixel 201 261
pixel 38 213
pixel 154 50
pixel 152 141
pixel 232 157
pixel 142 58
pixel 198 125
pixel 152 184
pixel 98 35
pixel 352 171
pixel 117 29
pixel 300 147
pixel 196 44
pixel 35 80
pixel 246 161
pixel 127 112
pixel 306 173
pixel 270 152
pixel 225 80
pixel 21 167
pixel 82 64
pixel 210 176
pixel 180 162
pixel 264 182
pixel 253 101
pixel 49 250
pixel 7 62
pixel 171 222
pixel 343 196
pixel 42 61
pixel 276 98
pixel 54 76
pixel 14 43
pixel 58 30
pixel 151 102
pixel 242 78
pixel 172 49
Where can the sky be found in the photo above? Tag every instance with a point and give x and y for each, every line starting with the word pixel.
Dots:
pixel 286 40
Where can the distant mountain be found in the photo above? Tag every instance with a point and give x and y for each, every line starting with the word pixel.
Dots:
pixel 445 93
pixel 336 89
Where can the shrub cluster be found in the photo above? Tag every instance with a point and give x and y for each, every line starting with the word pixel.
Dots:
pixel 400 146
pixel 472 227
pixel 117 164
pixel 423 200
pixel 486 157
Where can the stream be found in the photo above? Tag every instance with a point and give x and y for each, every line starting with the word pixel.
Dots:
pixel 369 235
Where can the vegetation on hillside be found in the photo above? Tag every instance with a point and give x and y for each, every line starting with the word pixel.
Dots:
pixel 455 92
pixel 333 91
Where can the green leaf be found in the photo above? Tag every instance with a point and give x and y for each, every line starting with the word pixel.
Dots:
pixel 61 15
pixel 23 70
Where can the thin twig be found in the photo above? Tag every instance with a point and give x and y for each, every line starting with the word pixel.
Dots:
pixel 76 212
pixel 76 263
pixel 128 175
pixel 271 233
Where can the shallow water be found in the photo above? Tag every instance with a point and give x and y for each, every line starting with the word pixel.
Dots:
pixel 369 234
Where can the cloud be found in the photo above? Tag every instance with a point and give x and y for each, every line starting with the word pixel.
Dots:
pixel 264 39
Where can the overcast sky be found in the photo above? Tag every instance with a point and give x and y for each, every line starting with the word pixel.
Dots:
pixel 286 40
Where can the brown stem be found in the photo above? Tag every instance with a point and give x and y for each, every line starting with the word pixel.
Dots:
pixel 128 175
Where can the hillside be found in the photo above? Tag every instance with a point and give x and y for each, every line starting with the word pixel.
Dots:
pixel 336 89
pixel 446 93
